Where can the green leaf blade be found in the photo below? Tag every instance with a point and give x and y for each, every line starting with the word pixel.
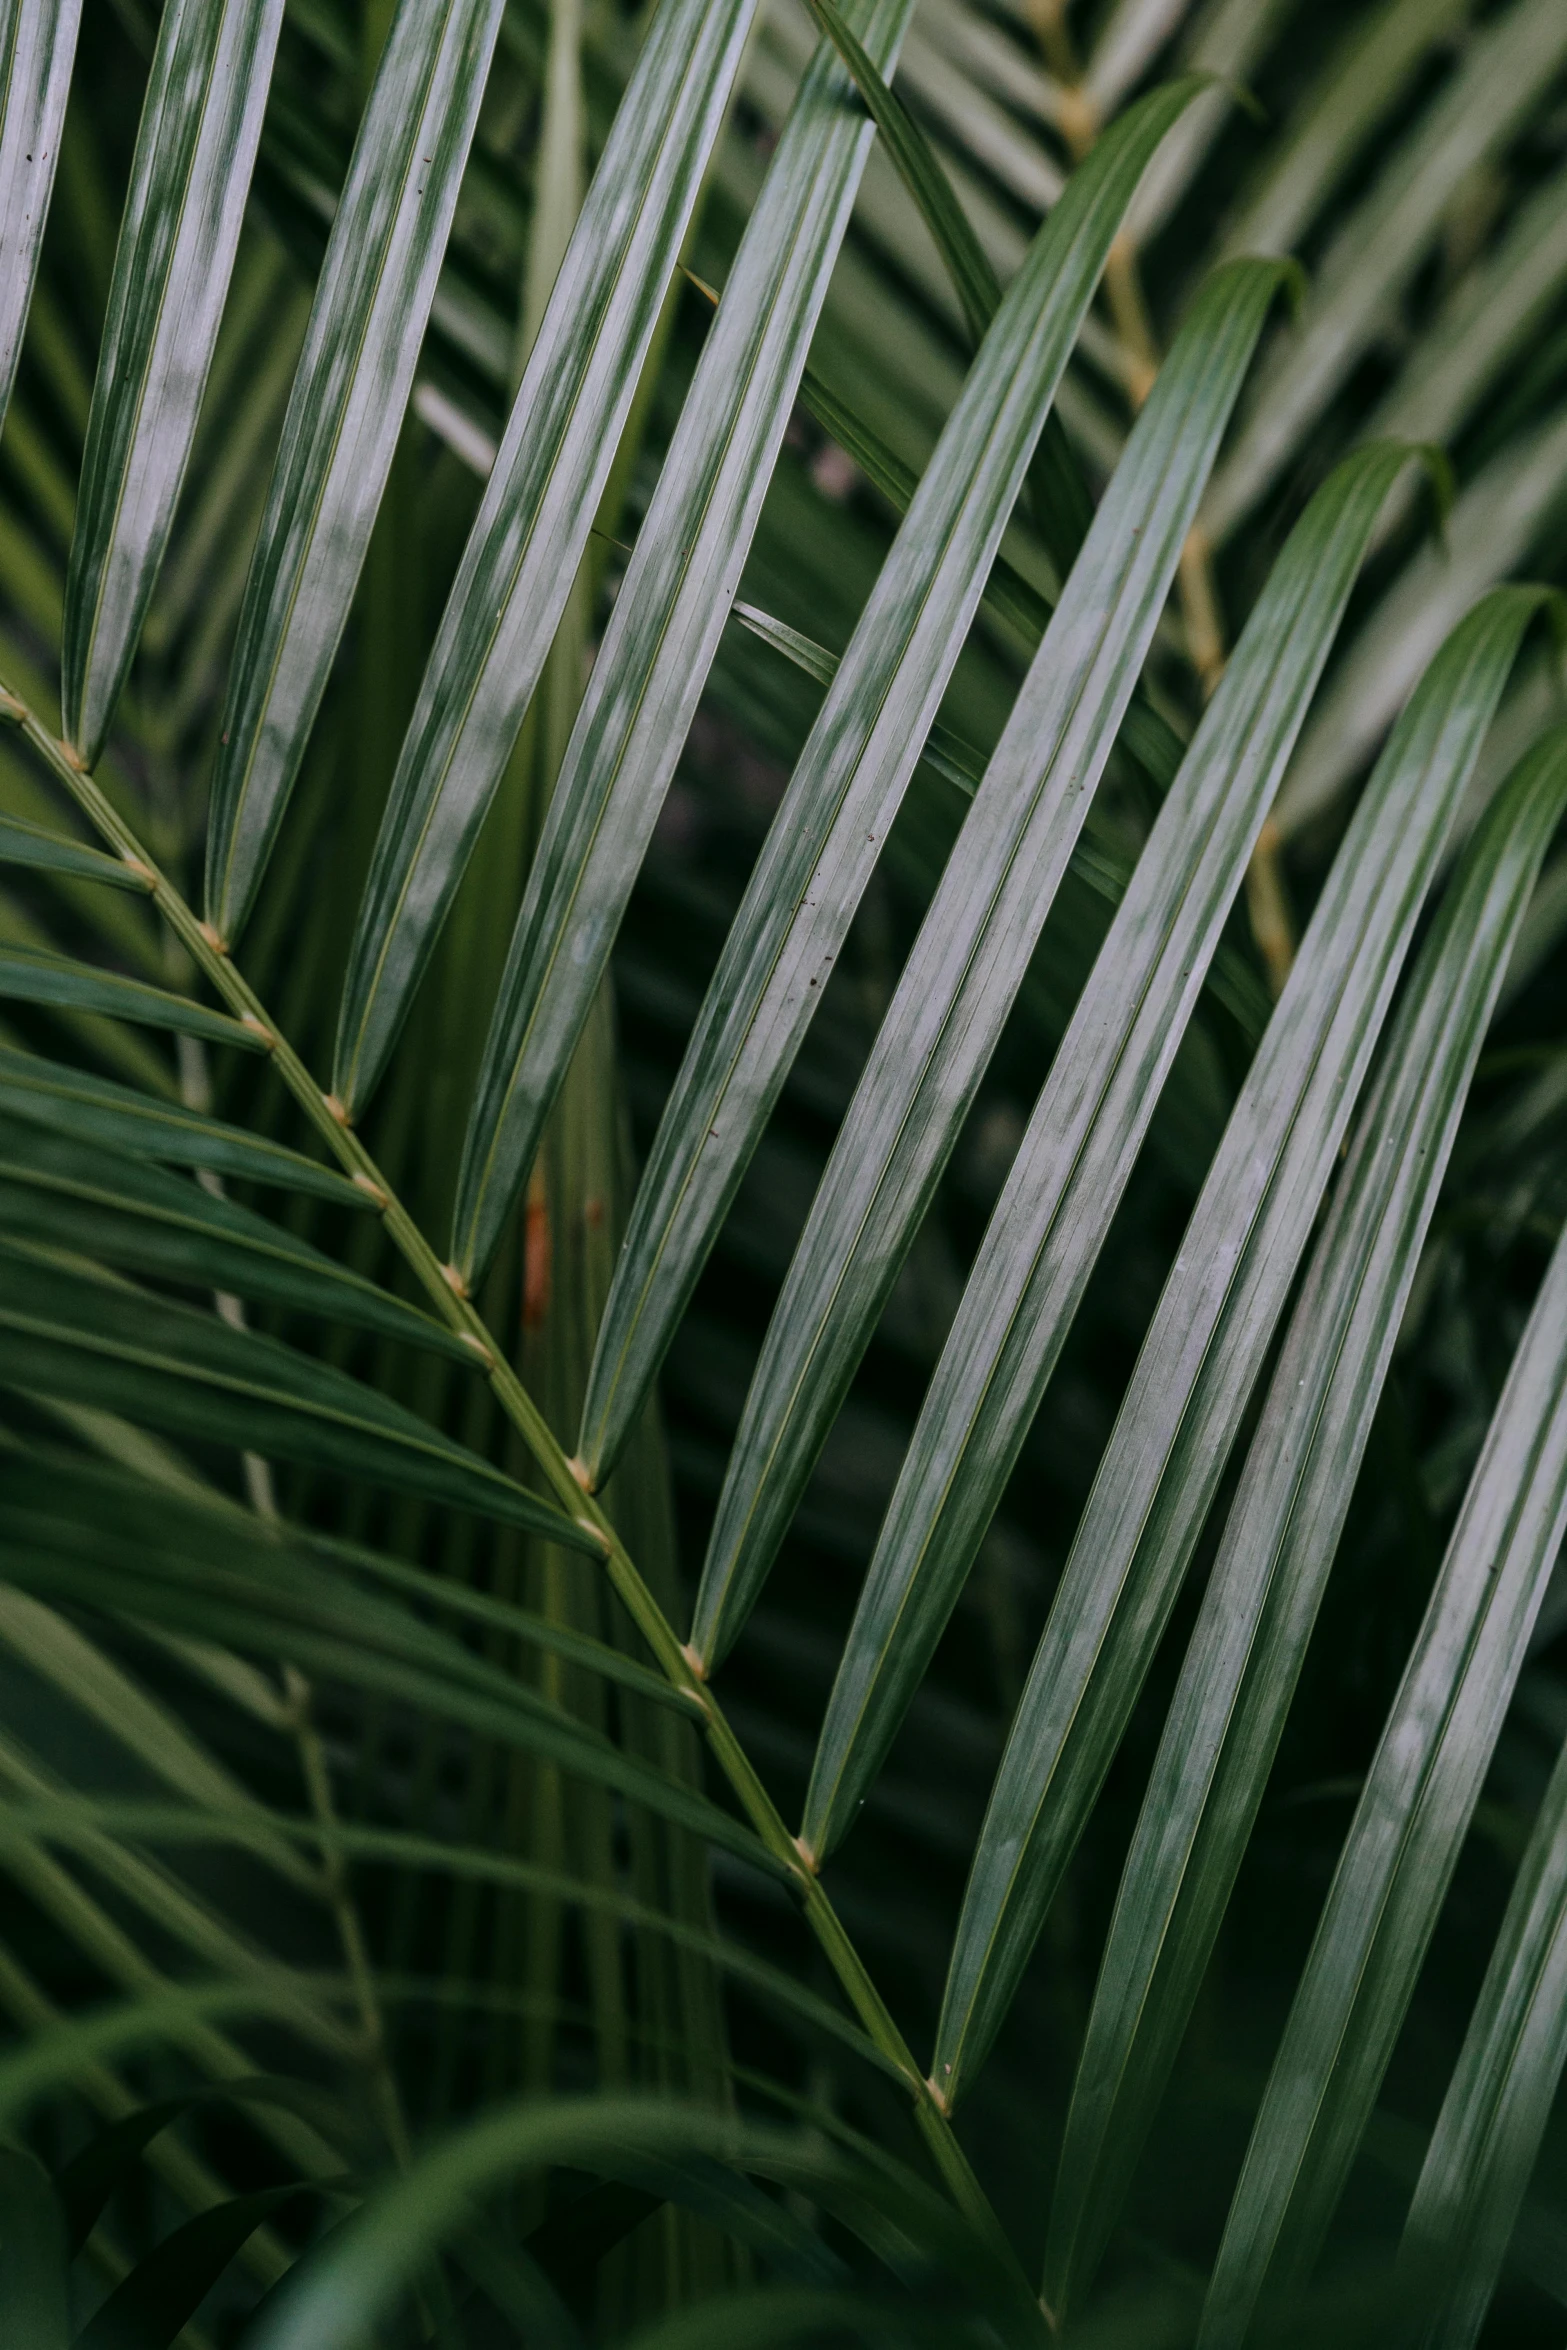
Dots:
pixel 29 976
pixel 975 946
pixel 200 127
pixel 1083 1136
pixel 662 635
pixel 100 1112
pixel 851 775
pixel 1246 1651
pixel 37 48
pixel 537 510
pixel 171 1367
pixel 351 388
pixel 1158 1475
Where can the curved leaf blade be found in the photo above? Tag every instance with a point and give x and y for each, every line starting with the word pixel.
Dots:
pixel 351 388
pixel 1205 1346
pixel 37 47
pixel 109 1116
pixel 856 763
pixel 199 130
pixel 29 976
pixel 274 1601
pixel 57 1194
pixel 1403 1842
pixel 1083 1136
pixel 975 945
pixel 1249 1642
pixel 1472 2182
pixel 662 635
pixel 171 1367
pixel 50 852
pixel 538 507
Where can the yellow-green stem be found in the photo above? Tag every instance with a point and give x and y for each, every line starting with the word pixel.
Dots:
pixel 458 1311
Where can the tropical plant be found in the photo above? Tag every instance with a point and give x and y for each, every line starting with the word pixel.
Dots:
pixel 784 1007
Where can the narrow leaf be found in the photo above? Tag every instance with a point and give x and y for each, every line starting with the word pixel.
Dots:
pixel 99 1112
pixel 533 522
pixel 1261 1602
pixel 189 180
pixel 1209 1334
pixel 1488 2133
pixel 276 1607
pixel 30 844
pixel 975 945
pixel 344 413
pixel 32 2255
pixel 1085 1132
pixel 37 45
pixel 31 977
pixel 846 788
pixel 168 1366
pixel 148 2308
pixel 662 635
pixel 1404 1840
pixel 60 1194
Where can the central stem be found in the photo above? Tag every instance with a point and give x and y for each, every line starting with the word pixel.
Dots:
pixel 458 1311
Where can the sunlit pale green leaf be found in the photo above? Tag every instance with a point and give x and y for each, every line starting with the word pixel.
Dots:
pixel 851 775
pixel 199 128
pixel 1250 1639
pixel 1158 1475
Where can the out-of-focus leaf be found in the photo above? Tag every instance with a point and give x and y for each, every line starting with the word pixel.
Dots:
pixel 538 508
pixel 1416 1804
pixel 1381 243
pixel 32 2255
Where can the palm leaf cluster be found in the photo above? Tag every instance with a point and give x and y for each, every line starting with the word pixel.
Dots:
pixel 783 1330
